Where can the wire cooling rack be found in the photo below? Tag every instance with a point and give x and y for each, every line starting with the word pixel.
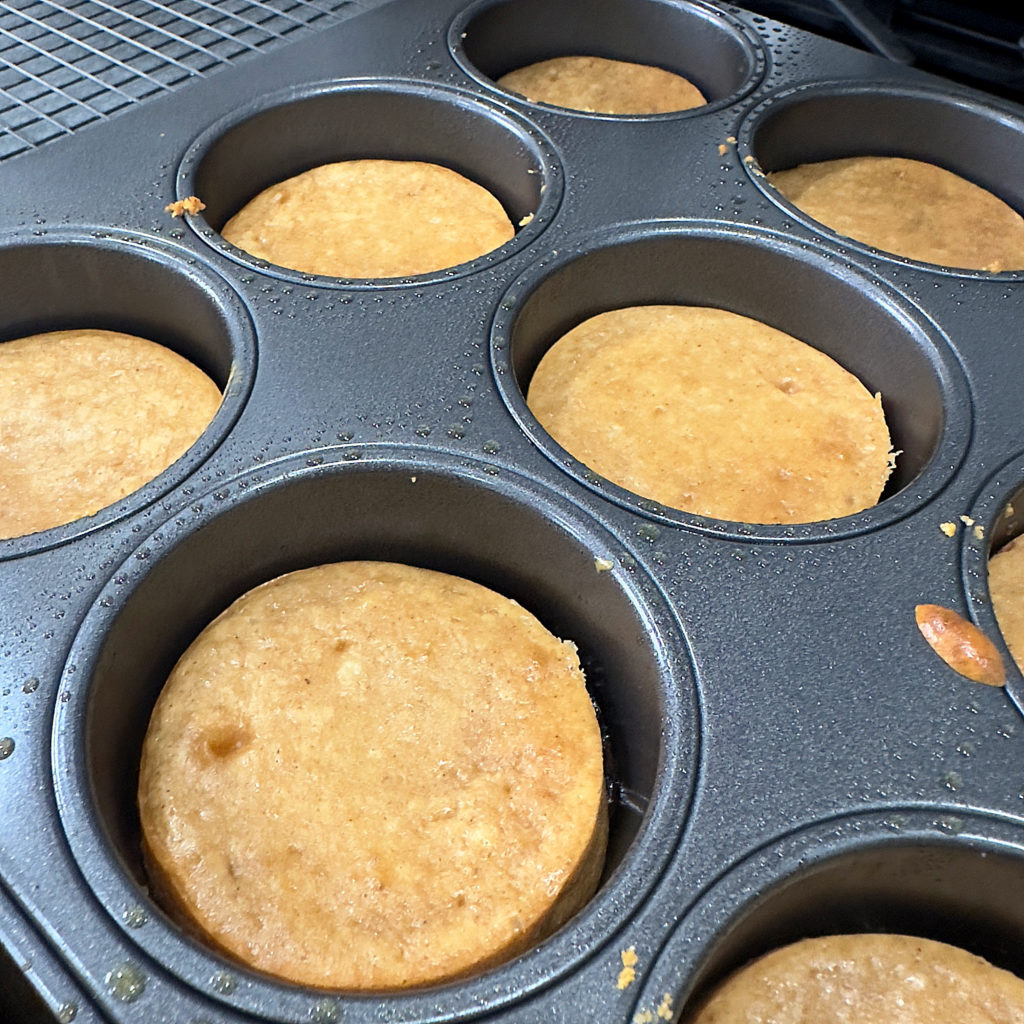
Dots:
pixel 64 65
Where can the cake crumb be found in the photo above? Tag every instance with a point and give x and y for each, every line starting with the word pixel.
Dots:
pixel 643 1017
pixel 722 149
pixel 664 1010
pixel 967 520
pixel 731 139
pixel 979 532
pixel 526 220
pixel 628 973
pixel 193 204
pixel 960 644
pixel 949 529
pixel 603 565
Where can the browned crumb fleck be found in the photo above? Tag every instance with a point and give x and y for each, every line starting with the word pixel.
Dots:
pixel 748 159
pixel 960 644
pixel 731 139
pixel 193 204
pixel 949 529
pixel 628 973
pixel 722 149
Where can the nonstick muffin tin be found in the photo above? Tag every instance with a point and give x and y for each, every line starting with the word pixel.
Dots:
pixel 786 755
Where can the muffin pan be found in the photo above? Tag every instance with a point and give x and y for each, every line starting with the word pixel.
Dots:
pixel 786 756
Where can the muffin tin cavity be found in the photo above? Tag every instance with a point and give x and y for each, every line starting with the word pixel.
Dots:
pixel 898 872
pixel 996 518
pixel 293 132
pixel 829 121
pixel 387 507
pixel 140 286
pixel 798 289
pixel 715 52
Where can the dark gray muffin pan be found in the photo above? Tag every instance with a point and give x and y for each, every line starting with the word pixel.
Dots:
pixel 786 755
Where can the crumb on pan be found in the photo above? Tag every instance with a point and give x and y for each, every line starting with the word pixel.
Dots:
pixel 949 529
pixel 979 532
pixel 628 973
pixel 722 149
pixel 603 565
pixel 526 220
pixel 960 644
pixel 967 520
pixel 664 1010
pixel 193 204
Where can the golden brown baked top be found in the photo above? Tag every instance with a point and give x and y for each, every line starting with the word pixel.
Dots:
pixel 371 218
pixel 714 413
pixel 602 86
pixel 370 776
pixel 866 979
pixel 1006 585
pixel 910 208
pixel 87 417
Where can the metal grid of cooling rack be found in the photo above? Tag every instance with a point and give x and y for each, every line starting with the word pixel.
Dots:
pixel 64 65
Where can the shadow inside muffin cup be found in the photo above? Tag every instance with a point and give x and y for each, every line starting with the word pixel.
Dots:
pixel 136 286
pixel 845 878
pixel 702 45
pixel 792 288
pixel 981 143
pixel 422 516
pixel 288 134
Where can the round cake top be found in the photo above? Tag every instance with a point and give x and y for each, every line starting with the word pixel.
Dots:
pixel 369 776
pixel 87 417
pixel 602 86
pixel 713 413
pixel 866 979
pixel 371 219
pixel 1006 585
pixel 909 208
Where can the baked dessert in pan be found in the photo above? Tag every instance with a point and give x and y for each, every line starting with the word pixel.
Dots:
pixel 714 413
pixel 371 219
pixel 370 776
pixel 602 86
pixel 88 416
